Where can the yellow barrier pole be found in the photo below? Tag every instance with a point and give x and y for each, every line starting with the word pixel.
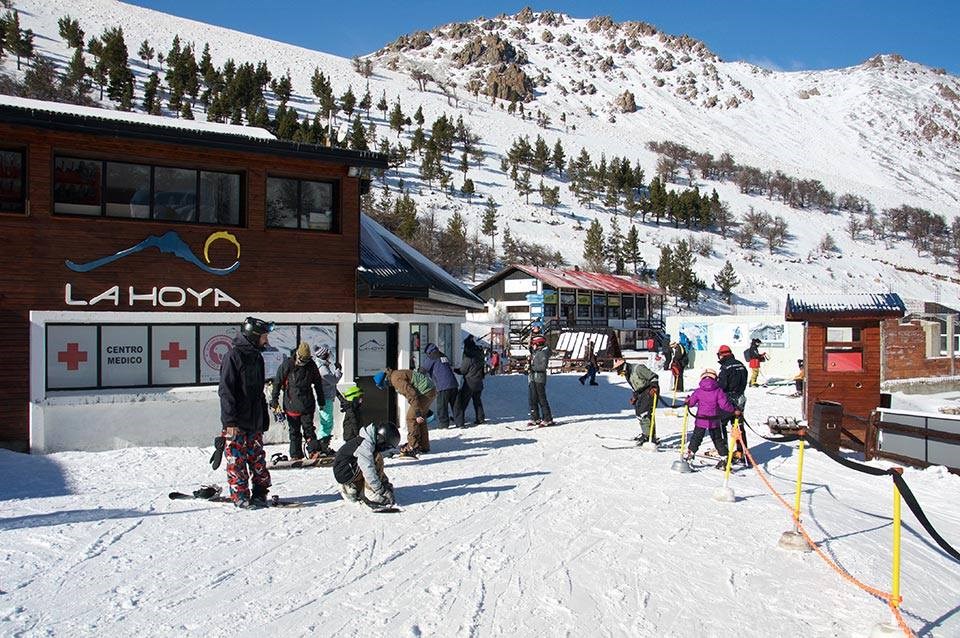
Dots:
pixel 653 417
pixel 735 431
pixel 895 589
pixel 683 431
pixel 796 500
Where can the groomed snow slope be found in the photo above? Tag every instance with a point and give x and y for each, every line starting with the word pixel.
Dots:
pixel 503 533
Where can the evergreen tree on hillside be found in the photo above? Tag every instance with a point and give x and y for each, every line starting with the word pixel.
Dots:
pixel 40 82
pixel 727 280
pixel 382 105
pixel 71 32
pixel 489 225
pixel 397 118
pixel 75 83
pixel 666 270
pixel 405 212
pixel 594 248
pixel 631 250
pixel 348 101
pixel 687 285
pixel 615 252
pixel 541 156
pixel 509 246
pixel 464 165
pixel 99 70
pixel 418 116
pixel 453 245
pixel 523 185
pixel 115 57
pixel 366 101
pixel 357 136
pixel 150 100
pixel 17 41
pixel 282 87
pixel 558 157
pixel 468 189
pixel 147 52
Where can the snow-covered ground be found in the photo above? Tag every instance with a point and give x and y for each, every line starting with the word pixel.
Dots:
pixel 542 533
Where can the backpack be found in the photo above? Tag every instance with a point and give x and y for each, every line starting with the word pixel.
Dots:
pixel 683 359
pixel 421 382
pixel 746 354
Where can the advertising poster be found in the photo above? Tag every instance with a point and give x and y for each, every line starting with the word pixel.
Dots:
pixel 771 334
pixel 123 356
pixel 693 336
pixel 283 341
pixel 371 353
pixel 321 335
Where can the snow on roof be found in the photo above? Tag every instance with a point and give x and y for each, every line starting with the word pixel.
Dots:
pixel 251 132
pixel 585 280
pixel 863 303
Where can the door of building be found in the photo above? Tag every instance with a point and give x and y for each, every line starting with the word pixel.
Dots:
pixel 376 349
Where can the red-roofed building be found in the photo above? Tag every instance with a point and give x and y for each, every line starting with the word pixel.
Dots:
pixel 576 299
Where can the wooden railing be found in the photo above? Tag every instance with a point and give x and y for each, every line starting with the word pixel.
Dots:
pixel 915 438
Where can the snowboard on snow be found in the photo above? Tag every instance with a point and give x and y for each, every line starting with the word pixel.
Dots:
pixel 272 502
pixel 381 509
pixel 285 464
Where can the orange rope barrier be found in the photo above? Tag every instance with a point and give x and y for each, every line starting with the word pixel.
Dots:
pixel 882 595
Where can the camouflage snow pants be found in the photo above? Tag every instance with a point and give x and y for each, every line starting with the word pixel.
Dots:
pixel 245 457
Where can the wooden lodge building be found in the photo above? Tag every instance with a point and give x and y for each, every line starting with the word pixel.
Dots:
pixel 134 246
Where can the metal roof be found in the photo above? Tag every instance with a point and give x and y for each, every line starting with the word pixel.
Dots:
pixel 96 121
pixel 392 268
pixel 880 304
pixel 579 279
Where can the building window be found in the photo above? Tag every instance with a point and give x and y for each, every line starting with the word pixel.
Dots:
pixel 303 204
pixel 627 308
pixel 843 351
pixel 445 339
pixel 142 191
pixel 12 182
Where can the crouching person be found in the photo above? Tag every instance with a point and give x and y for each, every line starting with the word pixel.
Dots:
pixel 358 466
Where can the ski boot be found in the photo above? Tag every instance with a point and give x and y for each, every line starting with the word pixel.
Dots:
pixel 259 497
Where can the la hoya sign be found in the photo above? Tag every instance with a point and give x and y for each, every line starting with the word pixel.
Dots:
pixel 165 296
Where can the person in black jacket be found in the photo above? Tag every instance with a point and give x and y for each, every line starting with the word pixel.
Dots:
pixel 244 415
pixel 436 365
pixel 298 377
pixel 733 381
pixel 472 369
pixel 592 367
pixel 351 402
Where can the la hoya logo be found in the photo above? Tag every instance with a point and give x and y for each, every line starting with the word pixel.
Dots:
pixel 166 296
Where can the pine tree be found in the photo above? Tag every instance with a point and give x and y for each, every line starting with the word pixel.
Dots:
pixel 405 212
pixel 615 252
pixel 541 156
pixel 282 88
pixel 453 247
pixel 40 82
pixel 509 247
pixel 186 112
pixel 418 116
pixel 348 101
pixel 150 92
pixel 558 157
pixel 489 225
pixel 366 101
pixel 397 118
pixel 687 284
pixel 71 32
pixel 18 41
pixel 666 270
pixel 318 82
pixel 468 189
pixel 523 185
pixel 382 105
pixel 115 57
pixel 631 250
pixel 147 52
pixel 463 166
pixel 594 248
pixel 727 280
pixel 357 136
pixel 75 82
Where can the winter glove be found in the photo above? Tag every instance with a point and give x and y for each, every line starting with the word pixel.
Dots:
pixel 219 444
pixel 633 399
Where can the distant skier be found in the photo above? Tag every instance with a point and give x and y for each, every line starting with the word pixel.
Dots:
pixel 591 362
pixel 678 362
pixel 419 391
pixel 331 374
pixel 244 414
pixel 540 414
pixel 351 402
pixel 358 466
pixel 755 358
pixel 471 367
pixel 298 378
pixel 437 366
pixel 733 381
pixel 712 405
pixel 645 386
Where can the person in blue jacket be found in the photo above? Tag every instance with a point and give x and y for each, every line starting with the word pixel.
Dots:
pixel 436 365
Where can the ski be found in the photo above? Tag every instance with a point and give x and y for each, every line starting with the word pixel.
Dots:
pixel 614 438
pixel 620 447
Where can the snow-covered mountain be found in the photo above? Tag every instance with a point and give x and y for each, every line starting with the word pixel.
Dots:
pixel 887 130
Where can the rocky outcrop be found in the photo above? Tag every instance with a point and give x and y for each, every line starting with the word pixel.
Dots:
pixel 508 82
pixel 625 103
pixel 550 19
pixel 525 16
pixel 461 30
pixel 487 49
pixel 414 41
pixel 601 23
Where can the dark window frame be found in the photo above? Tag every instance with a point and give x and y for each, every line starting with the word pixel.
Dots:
pixel 241 195
pixel 336 227
pixel 23 181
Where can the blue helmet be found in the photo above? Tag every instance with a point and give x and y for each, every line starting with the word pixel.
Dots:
pixel 380 379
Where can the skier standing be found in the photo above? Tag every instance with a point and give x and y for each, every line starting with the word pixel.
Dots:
pixel 712 405
pixel 417 388
pixel 298 378
pixel 471 367
pixel 244 415
pixel 351 402
pixel 437 366
pixel 646 387
pixel 540 414
pixel 755 358
pixel 678 361
pixel 732 380
pixel 358 466
pixel 331 376
pixel 591 361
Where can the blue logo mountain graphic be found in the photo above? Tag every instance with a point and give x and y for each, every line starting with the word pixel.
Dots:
pixel 169 242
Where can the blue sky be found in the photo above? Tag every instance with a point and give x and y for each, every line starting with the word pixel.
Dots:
pixel 777 34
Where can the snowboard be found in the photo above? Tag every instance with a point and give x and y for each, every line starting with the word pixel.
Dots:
pixel 402 456
pixel 531 428
pixel 272 502
pixel 323 461
pixel 381 509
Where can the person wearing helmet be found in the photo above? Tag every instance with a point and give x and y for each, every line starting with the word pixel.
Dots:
pixel 540 414
pixel 711 404
pixel 755 358
pixel 358 466
pixel 732 380
pixel 330 372
pixel 298 378
pixel 244 414
pixel 351 401
pixel 646 387
pixel 419 391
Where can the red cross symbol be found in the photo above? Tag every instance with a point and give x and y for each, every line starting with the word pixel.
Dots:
pixel 174 354
pixel 72 356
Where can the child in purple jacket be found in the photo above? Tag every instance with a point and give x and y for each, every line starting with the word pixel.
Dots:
pixel 711 404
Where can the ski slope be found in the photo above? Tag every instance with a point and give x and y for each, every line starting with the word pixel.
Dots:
pixel 503 533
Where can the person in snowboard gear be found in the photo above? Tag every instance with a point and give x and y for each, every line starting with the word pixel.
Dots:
pixel 419 391
pixel 755 358
pixel 330 373
pixel 540 414
pixel 645 386
pixel 351 402
pixel 733 381
pixel 798 379
pixel 244 414
pixel 678 362
pixel 358 466
pixel 592 367
pixel 437 367
pixel 712 405
pixel 471 367
pixel 298 378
